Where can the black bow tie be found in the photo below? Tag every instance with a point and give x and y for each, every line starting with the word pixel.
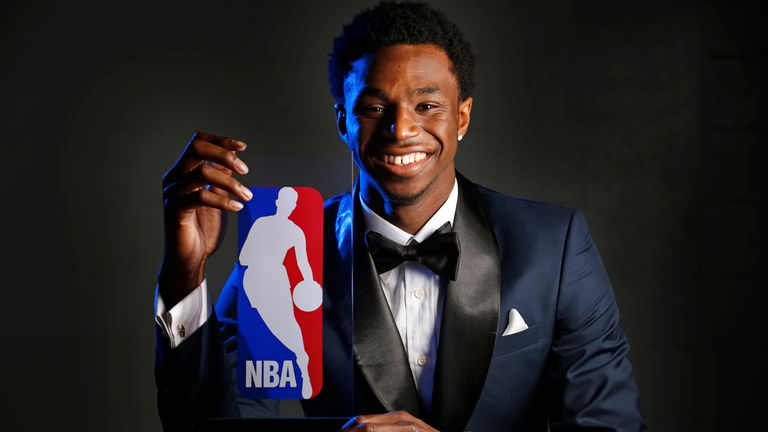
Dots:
pixel 439 252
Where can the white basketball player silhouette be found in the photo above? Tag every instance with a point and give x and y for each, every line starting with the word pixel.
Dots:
pixel 265 281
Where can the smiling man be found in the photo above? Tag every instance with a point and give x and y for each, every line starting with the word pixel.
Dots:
pixel 406 114
pixel 472 310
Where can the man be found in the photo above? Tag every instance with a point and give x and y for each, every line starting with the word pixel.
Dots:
pixel 515 329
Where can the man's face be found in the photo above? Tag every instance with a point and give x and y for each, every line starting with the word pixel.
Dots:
pixel 401 120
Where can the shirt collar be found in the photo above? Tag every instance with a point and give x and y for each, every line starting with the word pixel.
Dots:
pixel 446 213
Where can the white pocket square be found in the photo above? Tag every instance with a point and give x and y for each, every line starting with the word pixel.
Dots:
pixel 516 323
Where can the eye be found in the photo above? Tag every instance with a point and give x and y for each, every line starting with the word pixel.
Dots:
pixel 370 110
pixel 426 106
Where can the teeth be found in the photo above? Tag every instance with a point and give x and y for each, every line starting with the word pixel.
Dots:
pixel 404 159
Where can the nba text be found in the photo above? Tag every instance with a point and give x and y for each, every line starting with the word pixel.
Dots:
pixel 269 374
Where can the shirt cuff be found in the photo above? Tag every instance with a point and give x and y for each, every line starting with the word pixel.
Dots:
pixel 185 317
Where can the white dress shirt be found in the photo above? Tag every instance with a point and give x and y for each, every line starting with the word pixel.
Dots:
pixel 413 293
pixel 185 317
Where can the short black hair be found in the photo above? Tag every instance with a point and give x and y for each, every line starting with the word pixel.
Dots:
pixel 395 23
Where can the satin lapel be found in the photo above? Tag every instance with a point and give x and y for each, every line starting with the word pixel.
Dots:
pixel 470 316
pixel 379 349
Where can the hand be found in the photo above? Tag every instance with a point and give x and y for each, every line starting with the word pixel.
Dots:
pixel 392 421
pixel 195 204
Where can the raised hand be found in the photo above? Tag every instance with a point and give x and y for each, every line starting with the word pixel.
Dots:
pixel 196 200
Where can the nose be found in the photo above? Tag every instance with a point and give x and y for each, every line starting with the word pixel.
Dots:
pixel 403 125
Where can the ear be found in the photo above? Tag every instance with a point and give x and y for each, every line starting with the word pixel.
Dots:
pixel 465 112
pixel 341 120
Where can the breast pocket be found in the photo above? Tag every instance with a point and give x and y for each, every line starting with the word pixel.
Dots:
pixel 516 342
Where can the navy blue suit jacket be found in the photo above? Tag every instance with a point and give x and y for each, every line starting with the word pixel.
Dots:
pixel 568 370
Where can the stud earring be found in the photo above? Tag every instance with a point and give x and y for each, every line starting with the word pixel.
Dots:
pixel 460 137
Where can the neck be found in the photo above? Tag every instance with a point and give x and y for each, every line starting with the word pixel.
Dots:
pixel 407 214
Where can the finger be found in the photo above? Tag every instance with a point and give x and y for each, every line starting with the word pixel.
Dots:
pixel 355 423
pixel 203 198
pixel 203 176
pixel 221 168
pixel 390 417
pixel 200 151
pixel 395 420
pixel 350 424
pixel 217 190
pixel 226 142
pixel 388 427
pixel 221 150
pixel 206 177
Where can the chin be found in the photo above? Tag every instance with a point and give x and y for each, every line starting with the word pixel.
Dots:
pixel 401 193
pixel 408 198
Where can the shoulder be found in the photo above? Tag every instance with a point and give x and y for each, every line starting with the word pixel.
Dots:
pixel 521 224
pixel 338 207
pixel 332 204
pixel 504 209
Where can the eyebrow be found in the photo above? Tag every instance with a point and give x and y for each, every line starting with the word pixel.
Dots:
pixel 427 90
pixel 373 91
pixel 379 93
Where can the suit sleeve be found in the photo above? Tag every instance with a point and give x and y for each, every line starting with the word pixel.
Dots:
pixel 590 382
pixel 193 379
pixel 196 380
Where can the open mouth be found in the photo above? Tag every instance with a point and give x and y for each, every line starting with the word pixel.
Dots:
pixel 405 159
pixel 403 165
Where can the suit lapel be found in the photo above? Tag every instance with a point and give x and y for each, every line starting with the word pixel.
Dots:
pixel 378 347
pixel 470 316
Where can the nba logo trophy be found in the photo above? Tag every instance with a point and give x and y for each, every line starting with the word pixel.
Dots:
pixel 280 294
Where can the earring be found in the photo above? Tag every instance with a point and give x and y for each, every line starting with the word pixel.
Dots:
pixel 460 137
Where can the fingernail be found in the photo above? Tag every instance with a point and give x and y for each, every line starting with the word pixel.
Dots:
pixel 241 144
pixel 241 166
pixel 237 205
pixel 247 192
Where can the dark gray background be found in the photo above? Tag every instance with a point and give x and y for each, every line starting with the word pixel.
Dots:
pixel 647 116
